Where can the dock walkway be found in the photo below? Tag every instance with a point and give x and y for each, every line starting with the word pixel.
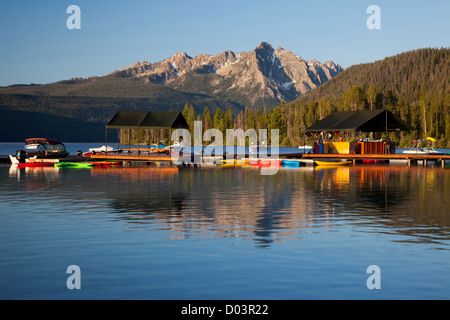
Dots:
pixel 410 158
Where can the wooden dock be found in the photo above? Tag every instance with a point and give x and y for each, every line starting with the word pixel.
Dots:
pixel 410 158
pixel 189 159
pixel 138 157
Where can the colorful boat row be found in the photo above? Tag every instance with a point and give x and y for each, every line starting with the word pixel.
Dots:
pixel 68 164
pixel 279 163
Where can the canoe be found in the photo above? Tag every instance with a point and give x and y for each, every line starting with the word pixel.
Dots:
pixel 333 163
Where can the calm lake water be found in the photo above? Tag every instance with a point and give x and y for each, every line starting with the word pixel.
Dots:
pixel 162 232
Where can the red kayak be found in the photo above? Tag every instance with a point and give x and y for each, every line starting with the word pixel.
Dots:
pixel 35 164
pixel 106 164
pixel 266 163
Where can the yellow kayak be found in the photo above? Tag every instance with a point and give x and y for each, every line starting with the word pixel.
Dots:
pixel 229 163
pixel 333 163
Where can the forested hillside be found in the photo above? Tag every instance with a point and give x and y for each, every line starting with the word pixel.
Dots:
pixel 413 85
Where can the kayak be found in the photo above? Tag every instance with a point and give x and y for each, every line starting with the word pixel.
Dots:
pixel 87 164
pixel 266 163
pixel 334 163
pixel 35 164
pixel 74 165
pixel 229 163
pixel 291 163
pixel 105 163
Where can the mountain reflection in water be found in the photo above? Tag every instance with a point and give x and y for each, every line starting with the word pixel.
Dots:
pixel 239 202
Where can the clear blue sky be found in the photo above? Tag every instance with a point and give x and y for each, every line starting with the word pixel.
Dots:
pixel 37 47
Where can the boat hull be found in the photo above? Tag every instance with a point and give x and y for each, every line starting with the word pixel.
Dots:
pixel 431 153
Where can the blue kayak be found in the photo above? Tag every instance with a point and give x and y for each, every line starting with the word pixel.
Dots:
pixel 291 163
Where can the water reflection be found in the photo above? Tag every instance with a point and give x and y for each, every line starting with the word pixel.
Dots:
pixel 408 201
pixel 239 202
pixel 405 203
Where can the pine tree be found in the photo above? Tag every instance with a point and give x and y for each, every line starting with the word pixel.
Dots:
pixel 228 120
pixel 218 120
pixel 191 117
pixel 371 96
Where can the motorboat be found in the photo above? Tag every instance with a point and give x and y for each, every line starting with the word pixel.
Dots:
pixel 45 148
pixel 419 148
pixel 102 149
pixel 37 149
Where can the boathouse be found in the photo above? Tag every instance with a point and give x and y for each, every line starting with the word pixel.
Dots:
pixel 147 120
pixel 380 120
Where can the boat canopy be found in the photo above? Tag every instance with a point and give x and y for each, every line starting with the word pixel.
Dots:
pixel 364 120
pixel 42 141
pixel 147 120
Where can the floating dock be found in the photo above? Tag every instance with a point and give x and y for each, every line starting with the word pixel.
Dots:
pixel 137 157
pixel 303 158
pixel 409 158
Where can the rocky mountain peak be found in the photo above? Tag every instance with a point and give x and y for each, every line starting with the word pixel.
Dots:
pixel 264 73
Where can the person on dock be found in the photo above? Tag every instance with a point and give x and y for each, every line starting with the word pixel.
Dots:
pixel 387 146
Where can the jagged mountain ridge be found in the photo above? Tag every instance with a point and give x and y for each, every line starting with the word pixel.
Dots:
pixel 264 74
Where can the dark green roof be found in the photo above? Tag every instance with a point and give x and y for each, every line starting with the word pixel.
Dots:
pixel 364 120
pixel 148 120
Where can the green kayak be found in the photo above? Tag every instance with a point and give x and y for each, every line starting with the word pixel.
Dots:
pixel 73 165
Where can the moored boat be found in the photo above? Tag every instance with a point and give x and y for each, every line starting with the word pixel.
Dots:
pixel 39 148
pixel 84 164
pixel 233 162
pixel 74 165
pixel 428 149
pixel 102 149
pixel 266 163
pixel 35 164
pixel 333 163
pixel 291 163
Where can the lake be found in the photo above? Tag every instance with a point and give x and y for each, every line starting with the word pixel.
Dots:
pixel 168 233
